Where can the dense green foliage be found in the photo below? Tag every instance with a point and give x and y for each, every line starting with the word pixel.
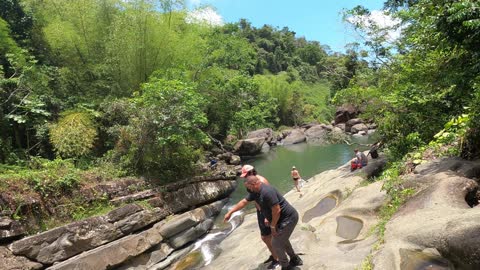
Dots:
pixel 429 75
pixel 136 85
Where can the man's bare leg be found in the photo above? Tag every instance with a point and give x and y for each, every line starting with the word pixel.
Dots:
pixel 267 239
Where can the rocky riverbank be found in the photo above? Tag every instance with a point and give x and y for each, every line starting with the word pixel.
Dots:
pixel 164 223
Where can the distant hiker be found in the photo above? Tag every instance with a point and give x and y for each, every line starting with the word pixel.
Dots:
pixel 213 163
pixel 281 216
pixel 296 179
pixel 263 223
pixel 359 161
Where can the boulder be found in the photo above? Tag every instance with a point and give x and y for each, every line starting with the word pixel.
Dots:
pixel 266 133
pixel 316 133
pixel 196 194
pixel 345 113
pixel 249 147
pixel 359 127
pixel 294 136
pixel 341 126
pixel 235 160
pixel 10 229
pixel 350 123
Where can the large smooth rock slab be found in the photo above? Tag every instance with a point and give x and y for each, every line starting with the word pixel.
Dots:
pixel 146 260
pixel 64 242
pixel 319 240
pixel 190 235
pixel 437 218
pixel 113 253
pixel 466 168
pixel 67 241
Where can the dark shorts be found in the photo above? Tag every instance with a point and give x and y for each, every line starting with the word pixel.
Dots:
pixel 296 178
pixel 264 229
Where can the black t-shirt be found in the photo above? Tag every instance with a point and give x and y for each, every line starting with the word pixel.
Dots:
pixel 267 197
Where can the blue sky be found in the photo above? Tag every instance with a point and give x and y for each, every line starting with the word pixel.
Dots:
pixel 319 20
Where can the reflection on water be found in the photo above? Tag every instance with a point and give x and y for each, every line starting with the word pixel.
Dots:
pixel 348 227
pixel 323 207
pixel 417 260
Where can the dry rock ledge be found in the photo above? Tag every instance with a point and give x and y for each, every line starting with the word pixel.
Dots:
pixel 436 228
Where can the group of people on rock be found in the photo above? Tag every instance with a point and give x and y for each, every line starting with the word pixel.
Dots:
pixel 275 216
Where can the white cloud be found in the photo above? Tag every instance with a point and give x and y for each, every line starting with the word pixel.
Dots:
pixel 388 25
pixel 205 15
pixel 195 2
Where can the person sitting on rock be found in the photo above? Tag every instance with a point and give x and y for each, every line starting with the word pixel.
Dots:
pixel 359 161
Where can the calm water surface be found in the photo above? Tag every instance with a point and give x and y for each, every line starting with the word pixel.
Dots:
pixel 309 159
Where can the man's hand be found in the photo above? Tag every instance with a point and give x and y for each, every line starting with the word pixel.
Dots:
pixel 226 218
pixel 274 231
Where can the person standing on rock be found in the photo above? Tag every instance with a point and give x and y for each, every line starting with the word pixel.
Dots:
pixel 282 218
pixel 263 224
pixel 296 179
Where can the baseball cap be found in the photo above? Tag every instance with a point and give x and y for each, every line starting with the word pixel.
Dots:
pixel 246 169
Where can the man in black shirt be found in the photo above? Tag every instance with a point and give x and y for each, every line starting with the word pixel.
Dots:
pixel 281 215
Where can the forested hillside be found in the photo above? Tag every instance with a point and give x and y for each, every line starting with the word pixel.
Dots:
pixel 142 86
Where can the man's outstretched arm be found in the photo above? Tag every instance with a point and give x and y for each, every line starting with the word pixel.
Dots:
pixel 239 206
